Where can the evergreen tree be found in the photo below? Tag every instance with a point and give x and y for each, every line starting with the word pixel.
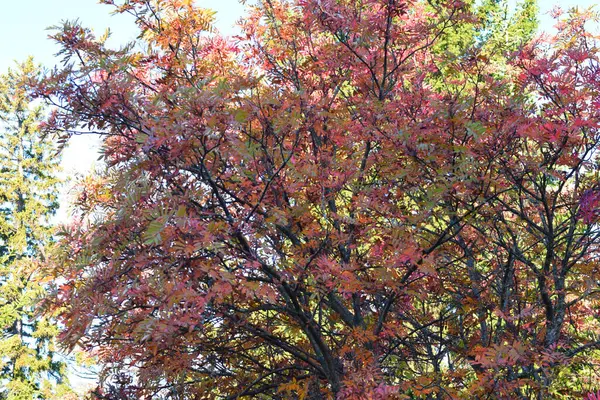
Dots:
pixel 497 30
pixel 29 366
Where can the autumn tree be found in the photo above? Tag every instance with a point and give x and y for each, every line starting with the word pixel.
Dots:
pixel 29 366
pixel 306 211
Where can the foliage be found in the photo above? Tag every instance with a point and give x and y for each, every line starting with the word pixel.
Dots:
pixel 492 34
pixel 29 366
pixel 307 212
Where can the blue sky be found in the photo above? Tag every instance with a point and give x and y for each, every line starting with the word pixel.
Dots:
pixel 24 23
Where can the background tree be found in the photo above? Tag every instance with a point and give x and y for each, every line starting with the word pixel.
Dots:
pixel 29 366
pixel 496 29
pixel 308 213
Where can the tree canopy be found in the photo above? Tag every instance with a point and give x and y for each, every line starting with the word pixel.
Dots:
pixel 353 199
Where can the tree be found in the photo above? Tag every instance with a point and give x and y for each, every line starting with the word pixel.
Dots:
pixel 494 33
pixel 308 213
pixel 29 365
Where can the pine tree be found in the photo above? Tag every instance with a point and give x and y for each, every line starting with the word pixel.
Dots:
pixel 29 365
pixel 497 30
